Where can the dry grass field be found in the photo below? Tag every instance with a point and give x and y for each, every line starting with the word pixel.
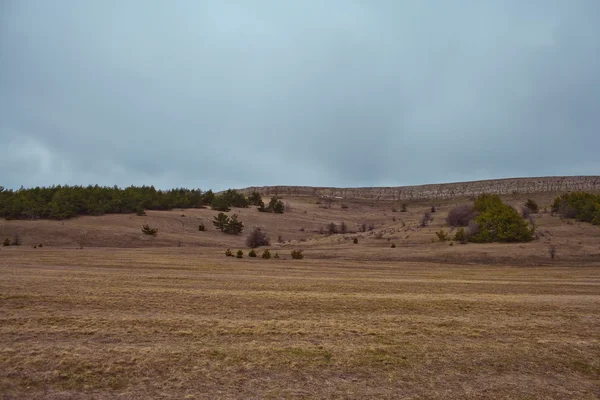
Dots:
pixel 171 317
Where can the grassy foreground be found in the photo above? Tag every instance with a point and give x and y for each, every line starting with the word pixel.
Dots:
pixel 190 323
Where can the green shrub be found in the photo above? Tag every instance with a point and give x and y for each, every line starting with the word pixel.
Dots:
pixel 442 236
pixel 146 230
pixel 461 235
pixel 201 227
pixel 297 254
pixel 219 204
pixel 275 206
pixel 276 255
pixel 139 211
pixel 40 245
pixel 6 242
pixel 233 198
pixel 532 206
pixel 220 221
pixel 498 222
pixel 228 253
pixel 239 254
pixel 355 240
pixel 255 199
pixel 266 254
pixel 393 246
pixel 234 227
pixel 252 253
pixel 230 225
pixel 579 205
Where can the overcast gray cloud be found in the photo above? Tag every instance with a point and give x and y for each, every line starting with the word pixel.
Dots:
pixel 216 94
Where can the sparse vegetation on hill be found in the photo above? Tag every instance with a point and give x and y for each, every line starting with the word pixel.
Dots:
pixel 578 205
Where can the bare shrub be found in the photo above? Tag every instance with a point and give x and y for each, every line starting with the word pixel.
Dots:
pixel 404 208
pixel 332 228
pixel 473 228
pixel 343 228
pixel 82 239
pixel 552 251
pixel 461 215
pixel 16 239
pixel 257 238
pixel 344 206
pixel 426 219
pixel 378 235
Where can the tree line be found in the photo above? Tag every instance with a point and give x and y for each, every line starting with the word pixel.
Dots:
pixel 63 202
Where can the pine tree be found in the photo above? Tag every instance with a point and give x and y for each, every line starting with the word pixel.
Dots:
pixel 221 221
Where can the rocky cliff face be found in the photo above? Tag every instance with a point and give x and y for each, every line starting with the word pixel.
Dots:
pixel 443 190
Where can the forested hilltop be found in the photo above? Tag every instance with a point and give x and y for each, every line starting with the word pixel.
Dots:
pixel 61 202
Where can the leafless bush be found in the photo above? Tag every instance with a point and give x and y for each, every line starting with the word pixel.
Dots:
pixel 82 239
pixel 552 251
pixel 461 215
pixel 378 235
pixel 344 206
pixel 473 227
pixel 343 228
pixel 426 219
pixel 257 238
pixel 332 228
pixel 16 239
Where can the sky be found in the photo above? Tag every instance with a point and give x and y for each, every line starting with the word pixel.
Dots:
pixel 219 94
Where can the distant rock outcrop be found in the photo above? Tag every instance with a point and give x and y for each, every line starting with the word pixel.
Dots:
pixel 442 190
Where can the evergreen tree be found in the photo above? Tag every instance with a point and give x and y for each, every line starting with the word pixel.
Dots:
pixel 255 199
pixel 221 221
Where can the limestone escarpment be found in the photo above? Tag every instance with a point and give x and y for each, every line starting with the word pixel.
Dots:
pixel 442 190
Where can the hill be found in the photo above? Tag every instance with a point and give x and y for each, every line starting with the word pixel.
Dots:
pixel 443 190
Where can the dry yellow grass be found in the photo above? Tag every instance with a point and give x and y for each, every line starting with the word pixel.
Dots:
pixel 190 323
pixel 424 320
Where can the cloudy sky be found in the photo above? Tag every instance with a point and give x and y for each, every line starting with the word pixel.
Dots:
pixel 218 94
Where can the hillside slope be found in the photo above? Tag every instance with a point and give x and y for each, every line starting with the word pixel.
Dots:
pixel 442 190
